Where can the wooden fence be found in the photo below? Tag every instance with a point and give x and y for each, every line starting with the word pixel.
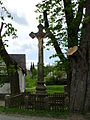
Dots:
pixel 14 101
pixel 55 102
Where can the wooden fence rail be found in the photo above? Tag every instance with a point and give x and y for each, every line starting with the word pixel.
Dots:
pixel 55 102
pixel 14 101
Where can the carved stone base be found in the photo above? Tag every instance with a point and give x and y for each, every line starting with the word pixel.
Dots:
pixel 41 88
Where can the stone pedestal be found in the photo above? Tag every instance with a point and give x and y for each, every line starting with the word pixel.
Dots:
pixel 41 89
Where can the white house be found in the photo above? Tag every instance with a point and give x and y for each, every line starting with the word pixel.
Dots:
pixel 5 84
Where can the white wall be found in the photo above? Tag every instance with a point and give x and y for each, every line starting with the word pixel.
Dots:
pixel 21 81
pixel 6 87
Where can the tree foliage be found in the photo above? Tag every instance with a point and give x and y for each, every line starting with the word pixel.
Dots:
pixel 8 29
pixel 64 18
pixel 55 75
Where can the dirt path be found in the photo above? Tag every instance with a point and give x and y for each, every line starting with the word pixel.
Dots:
pixel 22 117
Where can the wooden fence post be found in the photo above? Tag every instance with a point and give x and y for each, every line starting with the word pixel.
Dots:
pixel 7 101
pixel 26 101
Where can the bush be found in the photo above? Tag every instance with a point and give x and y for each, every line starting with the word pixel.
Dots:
pixel 58 81
pixel 49 80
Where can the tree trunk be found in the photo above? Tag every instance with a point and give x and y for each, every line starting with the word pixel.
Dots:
pixel 78 84
pixel 80 64
pixel 87 38
pixel 12 72
pixel 14 79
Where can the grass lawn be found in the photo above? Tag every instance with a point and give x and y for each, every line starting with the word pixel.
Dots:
pixel 42 113
pixel 64 115
pixel 31 87
pixel 55 89
pixel 50 89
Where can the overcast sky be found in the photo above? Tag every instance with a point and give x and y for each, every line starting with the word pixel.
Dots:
pixel 24 20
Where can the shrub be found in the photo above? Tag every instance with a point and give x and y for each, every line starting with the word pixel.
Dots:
pixel 49 80
pixel 58 81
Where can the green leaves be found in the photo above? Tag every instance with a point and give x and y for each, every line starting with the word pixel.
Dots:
pixel 8 29
pixel 1 2
pixel 86 19
pixel 54 9
pixel 65 22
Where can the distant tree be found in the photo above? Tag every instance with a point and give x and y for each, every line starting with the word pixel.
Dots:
pixel 33 71
pixel 47 70
pixel 33 66
pixel 55 75
pixel 7 29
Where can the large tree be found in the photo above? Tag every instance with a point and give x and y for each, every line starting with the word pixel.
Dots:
pixel 6 29
pixel 69 24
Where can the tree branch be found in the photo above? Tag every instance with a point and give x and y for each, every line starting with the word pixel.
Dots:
pixel 68 11
pixel 1 28
pixel 58 49
pixel 3 51
pixel 78 18
pixel 72 34
pixel 46 23
pixel 54 41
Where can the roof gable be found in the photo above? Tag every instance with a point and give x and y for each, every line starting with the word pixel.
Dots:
pixel 20 59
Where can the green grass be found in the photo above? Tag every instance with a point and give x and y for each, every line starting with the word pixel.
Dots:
pixel 62 114
pixel 31 86
pixel 55 89
pixel 49 88
pixel 42 113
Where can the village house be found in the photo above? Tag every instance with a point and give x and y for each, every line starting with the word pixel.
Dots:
pixel 5 82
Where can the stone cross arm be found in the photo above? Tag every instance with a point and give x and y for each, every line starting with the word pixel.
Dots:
pixel 40 33
pixel 32 35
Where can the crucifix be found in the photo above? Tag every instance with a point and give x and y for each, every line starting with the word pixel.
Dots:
pixel 40 88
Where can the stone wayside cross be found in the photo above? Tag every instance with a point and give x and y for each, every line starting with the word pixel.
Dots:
pixel 40 89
